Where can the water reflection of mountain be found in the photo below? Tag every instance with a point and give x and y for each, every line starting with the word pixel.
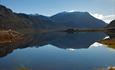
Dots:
pixel 77 40
pixel 6 48
pixel 58 39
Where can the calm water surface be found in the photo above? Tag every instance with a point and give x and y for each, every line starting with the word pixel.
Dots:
pixel 59 51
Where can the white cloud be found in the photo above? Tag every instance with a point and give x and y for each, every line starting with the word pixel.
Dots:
pixel 109 18
pixel 106 18
pixel 99 16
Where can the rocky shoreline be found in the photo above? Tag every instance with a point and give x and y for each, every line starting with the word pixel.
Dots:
pixel 9 36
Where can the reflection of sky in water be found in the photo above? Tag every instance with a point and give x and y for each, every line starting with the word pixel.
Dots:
pixel 67 52
pixel 50 57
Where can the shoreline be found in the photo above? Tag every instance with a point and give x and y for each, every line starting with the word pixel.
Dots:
pixel 9 36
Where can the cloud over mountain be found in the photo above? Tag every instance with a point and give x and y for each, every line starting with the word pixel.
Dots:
pixel 106 18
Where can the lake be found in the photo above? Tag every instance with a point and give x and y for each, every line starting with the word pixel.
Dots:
pixel 60 51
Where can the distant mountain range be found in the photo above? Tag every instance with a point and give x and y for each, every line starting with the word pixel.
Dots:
pixel 16 21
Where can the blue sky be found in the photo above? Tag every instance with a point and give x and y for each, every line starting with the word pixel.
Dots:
pixel 51 7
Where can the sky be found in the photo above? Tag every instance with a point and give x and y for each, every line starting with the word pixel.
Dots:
pixel 102 9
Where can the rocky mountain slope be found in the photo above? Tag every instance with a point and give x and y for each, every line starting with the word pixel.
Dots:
pixel 112 24
pixel 64 20
pixel 78 19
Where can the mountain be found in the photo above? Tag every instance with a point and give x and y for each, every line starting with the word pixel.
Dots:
pixel 21 21
pixel 38 21
pixel 112 24
pixel 78 19
pixel 111 27
pixel 10 20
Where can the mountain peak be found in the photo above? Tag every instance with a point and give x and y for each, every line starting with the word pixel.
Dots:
pixel 4 10
pixel 78 19
pixel 73 12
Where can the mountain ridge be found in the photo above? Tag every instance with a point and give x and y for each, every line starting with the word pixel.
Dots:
pixel 16 21
pixel 78 18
